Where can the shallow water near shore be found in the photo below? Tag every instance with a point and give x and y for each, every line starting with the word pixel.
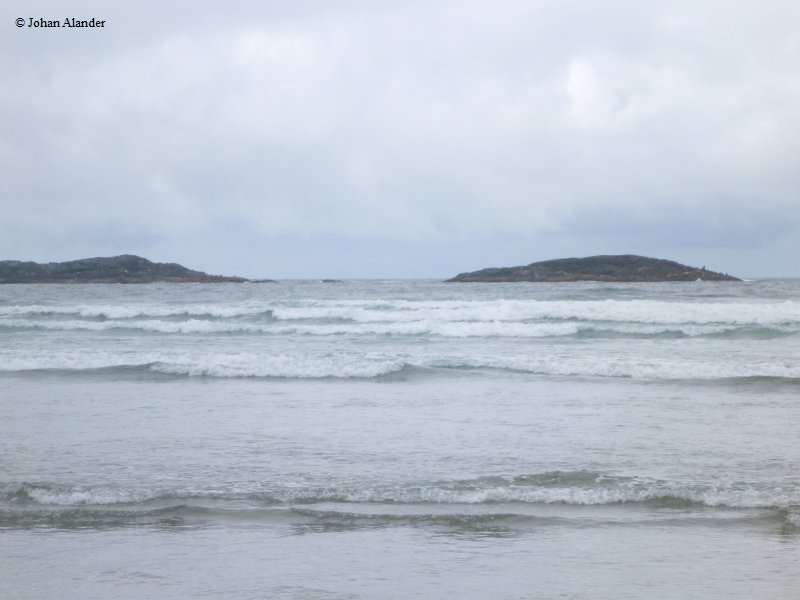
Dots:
pixel 400 439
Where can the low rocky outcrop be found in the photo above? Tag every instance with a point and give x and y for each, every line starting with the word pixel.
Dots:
pixel 621 267
pixel 126 268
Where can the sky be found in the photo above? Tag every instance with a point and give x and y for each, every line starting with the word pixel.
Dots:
pixel 413 139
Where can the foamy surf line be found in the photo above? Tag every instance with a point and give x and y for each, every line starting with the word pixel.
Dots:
pixel 445 329
pixel 324 364
pixel 121 311
pixel 639 311
pixel 399 311
pixel 492 504
pixel 494 520
pixel 553 489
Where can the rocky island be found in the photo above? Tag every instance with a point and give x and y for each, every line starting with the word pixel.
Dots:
pixel 621 267
pixel 126 268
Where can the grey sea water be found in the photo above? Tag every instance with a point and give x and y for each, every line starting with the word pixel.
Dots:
pixel 400 439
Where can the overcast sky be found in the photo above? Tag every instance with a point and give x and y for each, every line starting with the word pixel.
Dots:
pixel 316 138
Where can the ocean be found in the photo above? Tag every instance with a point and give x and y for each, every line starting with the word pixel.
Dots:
pixel 400 439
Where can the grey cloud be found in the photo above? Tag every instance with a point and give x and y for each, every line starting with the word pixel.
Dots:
pixel 420 123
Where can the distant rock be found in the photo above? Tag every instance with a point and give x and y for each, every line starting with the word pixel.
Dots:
pixel 115 269
pixel 622 267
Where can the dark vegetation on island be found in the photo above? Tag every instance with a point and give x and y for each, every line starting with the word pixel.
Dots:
pixel 126 268
pixel 621 267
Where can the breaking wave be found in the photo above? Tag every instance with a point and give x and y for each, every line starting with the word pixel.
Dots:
pixel 345 365
pixel 495 317
pixel 411 328
pixel 324 337
pixel 581 488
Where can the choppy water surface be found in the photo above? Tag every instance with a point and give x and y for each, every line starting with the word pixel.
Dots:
pixel 400 439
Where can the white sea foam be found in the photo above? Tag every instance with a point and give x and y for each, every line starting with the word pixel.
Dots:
pixel 582 495
pixel 155 326
pixel 246 364
pixel 192 326
pixel 78 496
pixel 122 311
pixel 494 311
pixel 343 366
pixel 627 366
pixel 66 361
pixel 421 327
pixel 315 338
pixel 638 311
pixel 349 364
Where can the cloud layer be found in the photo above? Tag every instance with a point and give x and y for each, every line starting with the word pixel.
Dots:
pixel 671 125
